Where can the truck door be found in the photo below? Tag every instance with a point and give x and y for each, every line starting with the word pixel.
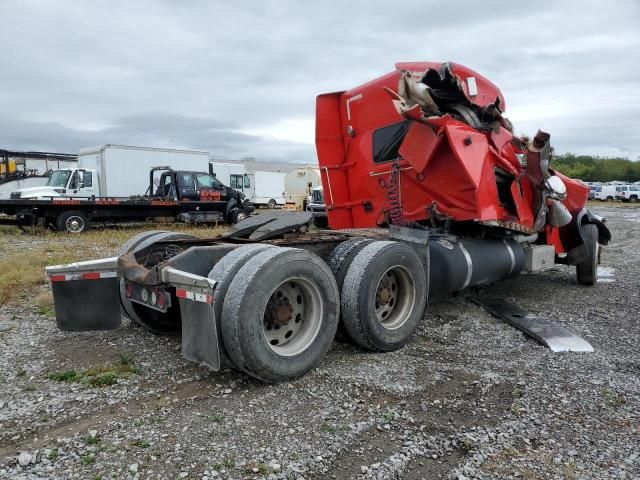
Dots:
pixel 82 184
pixel 187 184
pixel 210 188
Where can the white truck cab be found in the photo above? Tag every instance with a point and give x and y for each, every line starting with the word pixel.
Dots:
pixel 76 182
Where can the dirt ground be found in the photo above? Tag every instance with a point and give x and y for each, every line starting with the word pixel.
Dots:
pixel 468 397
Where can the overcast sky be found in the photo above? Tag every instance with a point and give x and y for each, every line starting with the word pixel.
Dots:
pixel 240 78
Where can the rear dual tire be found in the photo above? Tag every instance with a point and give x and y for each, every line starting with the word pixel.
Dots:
pixel 384 295
pixel 280 314
pixel 153 320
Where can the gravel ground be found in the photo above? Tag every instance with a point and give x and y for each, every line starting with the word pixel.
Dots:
pixel 468 397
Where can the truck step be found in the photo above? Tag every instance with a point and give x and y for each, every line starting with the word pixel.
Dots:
pixel 557 338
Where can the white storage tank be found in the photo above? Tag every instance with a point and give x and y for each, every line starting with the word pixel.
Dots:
pixel 298 185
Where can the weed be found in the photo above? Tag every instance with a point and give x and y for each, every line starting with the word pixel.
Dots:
pixel 216 417
pixel 21 372
pixel 229 463
pixel 262 468
pixel 106 379
pixel 88 459
pixel 140 443
pixel 389 416
pixel 95 376
pixel 53 454
pixel 328 428
pixel 125 359
pixel 612 399
pixel 93 440
pixel 65 376
pixel 30 388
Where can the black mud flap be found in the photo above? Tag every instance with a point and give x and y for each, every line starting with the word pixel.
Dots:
pixel 199 333
pixel 87 305
pixel 557 338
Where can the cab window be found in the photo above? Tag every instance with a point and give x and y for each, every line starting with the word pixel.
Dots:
pixel 188 181
pixel 207 181
pixel 87 179
pixel 387 141
pixel 235 181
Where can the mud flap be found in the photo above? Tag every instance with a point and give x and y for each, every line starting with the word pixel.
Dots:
pixel 86 305
pixel 199 333
pixel 86 295
pixel 557 338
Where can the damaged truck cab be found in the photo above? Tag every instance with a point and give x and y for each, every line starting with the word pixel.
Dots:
pixel 428 145
pixel 427 192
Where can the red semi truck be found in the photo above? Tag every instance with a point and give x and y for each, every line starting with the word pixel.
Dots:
pixel 427 192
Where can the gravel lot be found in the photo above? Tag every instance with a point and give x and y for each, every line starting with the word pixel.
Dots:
pixel 469 397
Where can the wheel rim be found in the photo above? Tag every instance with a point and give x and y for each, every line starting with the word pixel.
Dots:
pixel 240 216
pixel 395 297
pixel 74 224
pixel 272 204
pixel 293 317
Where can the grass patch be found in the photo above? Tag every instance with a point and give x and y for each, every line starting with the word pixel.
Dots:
pixel 65 376
pixel 53 454
pixel 88 459
pixel 140 443
pixel 612 399
pixel 93 440
pixel 26 254
pixel 216 417
pixel 95 376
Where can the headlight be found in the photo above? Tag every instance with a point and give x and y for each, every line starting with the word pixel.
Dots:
pixel 558 189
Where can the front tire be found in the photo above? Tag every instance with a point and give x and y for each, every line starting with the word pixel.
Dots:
pixel 271 204
pixel 280 314
pixel 587 270
pixel 384 295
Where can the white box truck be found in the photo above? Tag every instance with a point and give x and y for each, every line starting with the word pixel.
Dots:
pixel 267 188
pixel 114 171
pixel 262 188
pixel 298 185
pixel 233 175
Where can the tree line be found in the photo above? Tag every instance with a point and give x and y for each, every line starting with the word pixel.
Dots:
pixel 596 169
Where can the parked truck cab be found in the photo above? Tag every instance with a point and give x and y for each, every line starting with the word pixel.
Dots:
pixel 74 182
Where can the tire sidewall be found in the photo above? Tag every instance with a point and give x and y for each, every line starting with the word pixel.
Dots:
pixel 395 338
pixel 65 216
pixel 256 354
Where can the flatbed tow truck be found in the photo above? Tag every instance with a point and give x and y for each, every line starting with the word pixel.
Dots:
pixel 182 196
pixel 428 192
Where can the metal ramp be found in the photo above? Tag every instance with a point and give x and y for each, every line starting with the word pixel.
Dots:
pixel 557 338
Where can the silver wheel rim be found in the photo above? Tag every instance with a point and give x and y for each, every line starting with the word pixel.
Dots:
pixel 272 204
pixel 241 216
pixel 395 297
pixel 293 316
pixel 74 224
